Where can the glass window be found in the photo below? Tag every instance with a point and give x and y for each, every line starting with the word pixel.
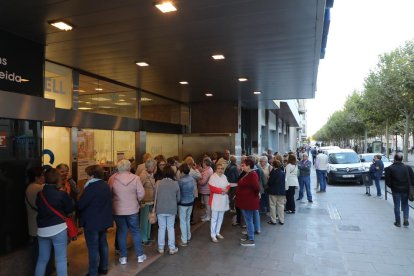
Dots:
pixel 343 158
pixel 58 85
pixel 103 97
pixel 158 109
pixel 165 144
pixel 57 141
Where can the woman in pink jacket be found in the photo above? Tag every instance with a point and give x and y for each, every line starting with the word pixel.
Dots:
pixel 127 191
pixel 203 188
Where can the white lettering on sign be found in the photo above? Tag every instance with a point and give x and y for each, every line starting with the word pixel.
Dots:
pixel 9 76
pixel 53 85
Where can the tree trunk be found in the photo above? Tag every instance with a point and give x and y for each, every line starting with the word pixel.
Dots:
pixel 407 134
pixel 365 141
pixel 387 139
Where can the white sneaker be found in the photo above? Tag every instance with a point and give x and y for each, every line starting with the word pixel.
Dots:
pixel 173 251
pixel 161 251
pixel 213 239
pixel 142 258
pixel 244 232
pixel 205 219
pixel 219 237
pixel 123 260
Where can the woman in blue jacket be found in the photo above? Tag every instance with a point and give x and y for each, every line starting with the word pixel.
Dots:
pixel 95 209
pixel 277 193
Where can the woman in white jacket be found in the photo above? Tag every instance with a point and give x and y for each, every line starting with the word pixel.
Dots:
pixel 291 183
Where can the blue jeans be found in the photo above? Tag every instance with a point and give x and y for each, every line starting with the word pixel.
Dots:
pixel 98 250
pixel 400 202
pixel 248 219
pixel 123 223
pixel 60 243
pixel 166 222
pixel 377 184
pixel 264 202
pixel 256 218
pixel 322 179
pixel 185 215
pixel 304 182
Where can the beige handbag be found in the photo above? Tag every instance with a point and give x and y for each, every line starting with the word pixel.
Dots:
pixel 152 216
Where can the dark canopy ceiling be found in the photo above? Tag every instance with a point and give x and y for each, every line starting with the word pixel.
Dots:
pixel 276 44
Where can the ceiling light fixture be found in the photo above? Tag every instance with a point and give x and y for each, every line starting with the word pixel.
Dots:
pixel 218 57
pixel 142 64
pixel 166 6
pixel 98 89
pixel 243 79
pixel 257 92
pixel 183 82
pixel 61 25
pixel 121 100
pixel 143 99
pixel 85 108
pixel 209 95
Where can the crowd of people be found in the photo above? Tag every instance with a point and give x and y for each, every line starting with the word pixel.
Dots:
pixel 252 186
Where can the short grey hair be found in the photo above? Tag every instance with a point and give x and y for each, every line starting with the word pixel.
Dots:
pixel 264 158
pixel 150 163
pixel 124 165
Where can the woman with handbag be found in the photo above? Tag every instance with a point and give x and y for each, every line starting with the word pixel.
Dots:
pixel 95 209
pixel 291 183
pixel 52 230
pixel 147 203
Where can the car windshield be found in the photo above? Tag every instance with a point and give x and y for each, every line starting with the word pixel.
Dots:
pixel 343 158
pixel 368 157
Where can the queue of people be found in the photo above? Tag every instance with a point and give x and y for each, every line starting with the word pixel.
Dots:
pixel 168 188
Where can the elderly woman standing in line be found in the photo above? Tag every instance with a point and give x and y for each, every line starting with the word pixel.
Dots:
pixel 291 183
pixel 188 187
pixel 127 191
pixel 52 230
pixel 168 195
pixel 147 203
pixel 277 193
pixel 247 199
pixel 95 209
pixel 203 188
pixel 219 200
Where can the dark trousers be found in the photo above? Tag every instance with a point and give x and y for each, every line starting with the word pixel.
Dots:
pixel 290 199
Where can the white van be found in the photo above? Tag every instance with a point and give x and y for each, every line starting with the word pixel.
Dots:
pixel 344 166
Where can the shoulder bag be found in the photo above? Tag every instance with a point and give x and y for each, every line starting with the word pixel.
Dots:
pixel 152 216
pixel 72 230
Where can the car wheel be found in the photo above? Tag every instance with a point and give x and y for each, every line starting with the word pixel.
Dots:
pixel 329 180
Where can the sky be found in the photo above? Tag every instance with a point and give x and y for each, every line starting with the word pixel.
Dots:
pixel 359 32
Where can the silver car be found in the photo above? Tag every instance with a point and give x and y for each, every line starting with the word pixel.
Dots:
pixel 367 158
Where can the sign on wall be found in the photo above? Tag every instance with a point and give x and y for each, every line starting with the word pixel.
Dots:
pixel 58 85
pixel 21 65
pixel 3 137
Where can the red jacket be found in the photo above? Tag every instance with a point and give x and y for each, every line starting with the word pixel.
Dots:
pixel 247 192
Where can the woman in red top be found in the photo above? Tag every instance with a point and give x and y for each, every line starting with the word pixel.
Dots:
pixel 247 199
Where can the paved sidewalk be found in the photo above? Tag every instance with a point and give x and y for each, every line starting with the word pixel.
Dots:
pixel 343 232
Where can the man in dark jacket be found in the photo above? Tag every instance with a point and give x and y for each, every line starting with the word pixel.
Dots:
pixel 232 174
pixel 277 193
pixel 398 177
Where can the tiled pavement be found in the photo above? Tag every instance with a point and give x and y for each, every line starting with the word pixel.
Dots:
pixel 343 232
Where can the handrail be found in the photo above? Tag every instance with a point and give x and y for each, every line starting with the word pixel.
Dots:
pixel 386 192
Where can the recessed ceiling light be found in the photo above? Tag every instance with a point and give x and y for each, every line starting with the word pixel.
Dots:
pixel 243 79
pixel 209 95
pixel 218 57
pixel 105 106
pixel 88 102
pixel 166 6
pixel 123 103
pixel 183 82
pixel 121 100
pixel 61 25
pixel 143 99
pixel 85 108
pixel 142 64
pixel 78 90
pixel 24 80
pixel 98 89
pixel 257 92
pixel 100 99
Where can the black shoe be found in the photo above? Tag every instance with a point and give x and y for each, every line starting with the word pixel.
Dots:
pixel 406 223
pixel 271 222
pixel 310 201
pixel 281 223
pixel 103 271
pixel 397 223
pixel 146 243
pixel 298 199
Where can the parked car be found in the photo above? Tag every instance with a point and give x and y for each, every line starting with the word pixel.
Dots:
pixel 344 166
pixel 367 158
